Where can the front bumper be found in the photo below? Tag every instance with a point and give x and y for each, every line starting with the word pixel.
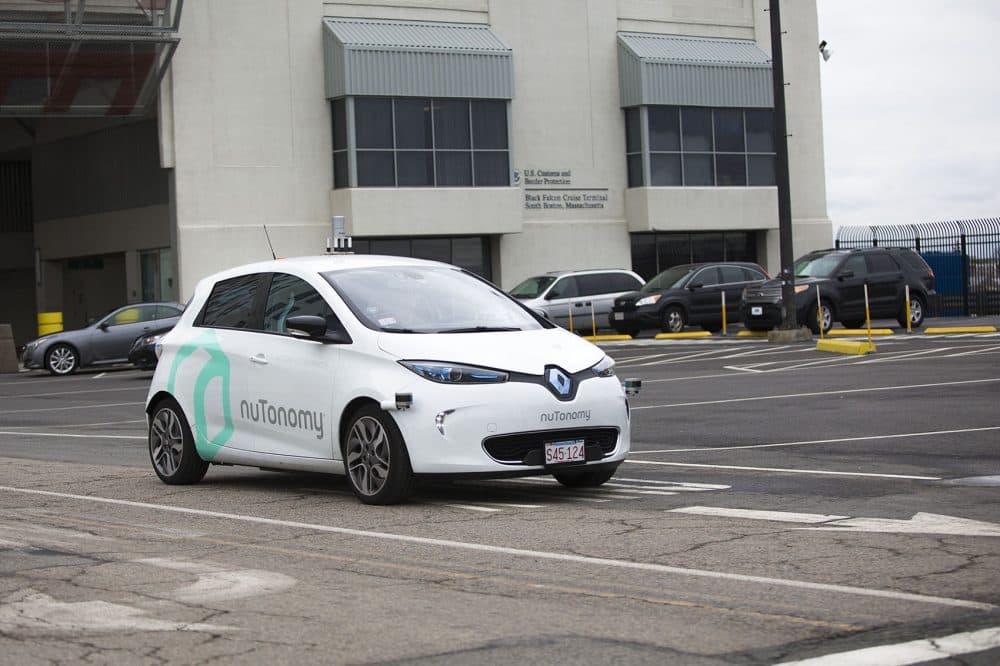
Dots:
pixel 501 429
pixel 31 358
pixel 646 317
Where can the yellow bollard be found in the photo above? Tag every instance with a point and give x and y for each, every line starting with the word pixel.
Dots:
pixel 819 312
pixel 724 313
pixel 49 322
pixel 570 306
pixel 593 320
pixel 909 324
pixel 868 316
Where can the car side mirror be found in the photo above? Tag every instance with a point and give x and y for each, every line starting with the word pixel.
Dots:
pixel 846 275
pixel 696 285
pixel 103 326
pixel 314 328
pixel 552 294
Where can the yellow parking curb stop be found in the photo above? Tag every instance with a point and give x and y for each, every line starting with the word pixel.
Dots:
pixel 944 330
pixel 860 331
pixel 845 347
pixel 751 334
pixel 683 336
pixel 606 338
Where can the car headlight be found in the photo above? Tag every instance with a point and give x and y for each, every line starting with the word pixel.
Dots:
pixel 648 300
pixel 152 339
pixel 452 373
pixel 604 368
pixel 799 288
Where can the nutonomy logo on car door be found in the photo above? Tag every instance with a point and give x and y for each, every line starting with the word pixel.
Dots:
pixel 216 366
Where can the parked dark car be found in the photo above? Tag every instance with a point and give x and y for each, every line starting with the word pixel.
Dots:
pixel 105 341
pixel 841 276
pixel 686 294
pixel 143 352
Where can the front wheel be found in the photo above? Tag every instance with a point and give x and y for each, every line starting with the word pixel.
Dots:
pixel 585 478
pixel 852 323
pixel 171 446
pixel 674 320
pixel 916 312
pixel 62 359
pixel 375 457
pixel 812 320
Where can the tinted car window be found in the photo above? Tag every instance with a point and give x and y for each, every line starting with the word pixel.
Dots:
pixel 597 283
pixel 913 260
pixel 856 264
pixel 564 288
pixel 732 274
pixel 133 315
pixel 167 311
pixel 706 277
pixel 532 287
pixel 624 282
pixel 231 303
pixel 751 274
pixel 820 266
pixel 290 296
pixel 879 262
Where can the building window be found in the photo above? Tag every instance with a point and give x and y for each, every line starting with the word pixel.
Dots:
pixel 420 142
pixel 656 252
pixel 469 252
pixel 700 147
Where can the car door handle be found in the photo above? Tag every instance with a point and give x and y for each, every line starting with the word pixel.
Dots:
pixel 259 359
pixel 580 305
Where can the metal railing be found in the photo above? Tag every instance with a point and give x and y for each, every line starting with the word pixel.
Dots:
pixel 964 255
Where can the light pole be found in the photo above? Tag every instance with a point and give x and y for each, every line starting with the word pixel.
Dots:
pixel 787 257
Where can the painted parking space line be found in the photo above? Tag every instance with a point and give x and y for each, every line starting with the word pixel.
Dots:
pixel 626 565
pixel 57 409
pixel 837 440
pixel 54 393
pixel 83 425
pixel 911 652
pixel 70 435
pixel 786 470
pixel 812 394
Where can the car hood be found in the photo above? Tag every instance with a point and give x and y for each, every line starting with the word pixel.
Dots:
pixel 515 351
pixel 633 296
pixel 75 336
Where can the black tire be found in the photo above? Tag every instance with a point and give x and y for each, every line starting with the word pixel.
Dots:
pixel 917 310
pixel 828 315
pixel 62 359
pixel 171 446
pixel 852 323
pixel 634 332
pixel 375 457
pixel 673 320
pixel 585 478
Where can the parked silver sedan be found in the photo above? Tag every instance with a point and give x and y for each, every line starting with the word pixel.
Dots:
pixel 103 342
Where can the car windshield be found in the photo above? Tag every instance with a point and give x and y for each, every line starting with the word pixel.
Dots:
pixel 817 265
pixel 533 286
pixel 427 299
pixel 672 278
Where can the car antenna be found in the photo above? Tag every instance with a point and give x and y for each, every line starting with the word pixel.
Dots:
pixel 273 255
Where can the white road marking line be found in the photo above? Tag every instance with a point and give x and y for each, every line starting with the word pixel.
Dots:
pixel 753 352
pixel 55 409
pixel 214 583
pixel 985 350
pixel 680 485
pixel 468 507
pixel 678 359
pixel 144 389
pixel 72 435
pixel 786 470
pixel 820 441
pixel 514 506
pixel 98 376
pixel 904 355
pixel 911 652
pixel 521 552
pixel 746 369
pixel 752 514
pixel 641 490
pixel 84 425
pixel 817 393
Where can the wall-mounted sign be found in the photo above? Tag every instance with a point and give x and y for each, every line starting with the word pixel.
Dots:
pixel 552 189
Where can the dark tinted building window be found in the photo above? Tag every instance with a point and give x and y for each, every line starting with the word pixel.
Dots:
pixel 656 252
pixel 231 303
pixel 469 252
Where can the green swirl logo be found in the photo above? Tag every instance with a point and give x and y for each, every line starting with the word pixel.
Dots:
pixel 216 367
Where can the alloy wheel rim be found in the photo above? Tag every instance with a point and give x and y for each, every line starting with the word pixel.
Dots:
pixel 61 360
pixel 827 318
pixel 166 442
pixel 916 311
pixel 368 455
pixel 674 321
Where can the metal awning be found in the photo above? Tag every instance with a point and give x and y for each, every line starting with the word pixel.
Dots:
pixel 693 71
pixel 84 57
pixel 415 59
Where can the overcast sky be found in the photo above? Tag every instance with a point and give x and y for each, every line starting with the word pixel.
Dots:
pixel 911 109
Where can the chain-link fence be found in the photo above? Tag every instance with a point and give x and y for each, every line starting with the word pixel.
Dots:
pixel 964 255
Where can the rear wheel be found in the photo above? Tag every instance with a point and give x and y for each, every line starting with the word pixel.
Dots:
pixel 375 457
pixel 673 320
pixel 812 321
pixel 917 309
pixel 586 478
pixel 171 446
pixel 62 359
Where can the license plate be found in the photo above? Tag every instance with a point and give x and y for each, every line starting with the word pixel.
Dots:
pixel 756 310
pixel 566 451
pixel 619 316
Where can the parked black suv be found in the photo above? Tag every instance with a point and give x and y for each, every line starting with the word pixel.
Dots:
pixel 686 294
pixel 841 276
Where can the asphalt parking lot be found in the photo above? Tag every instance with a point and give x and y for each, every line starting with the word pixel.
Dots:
pixel 780 505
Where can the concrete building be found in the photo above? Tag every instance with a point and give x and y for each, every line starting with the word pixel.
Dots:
pixel 511 137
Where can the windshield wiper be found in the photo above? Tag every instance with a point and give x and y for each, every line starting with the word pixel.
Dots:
pixel 401 330
pixel 481 329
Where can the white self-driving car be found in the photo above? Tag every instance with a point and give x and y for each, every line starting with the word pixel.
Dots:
pixel 383 369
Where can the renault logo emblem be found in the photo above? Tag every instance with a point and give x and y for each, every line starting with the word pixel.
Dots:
pixel 560 383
